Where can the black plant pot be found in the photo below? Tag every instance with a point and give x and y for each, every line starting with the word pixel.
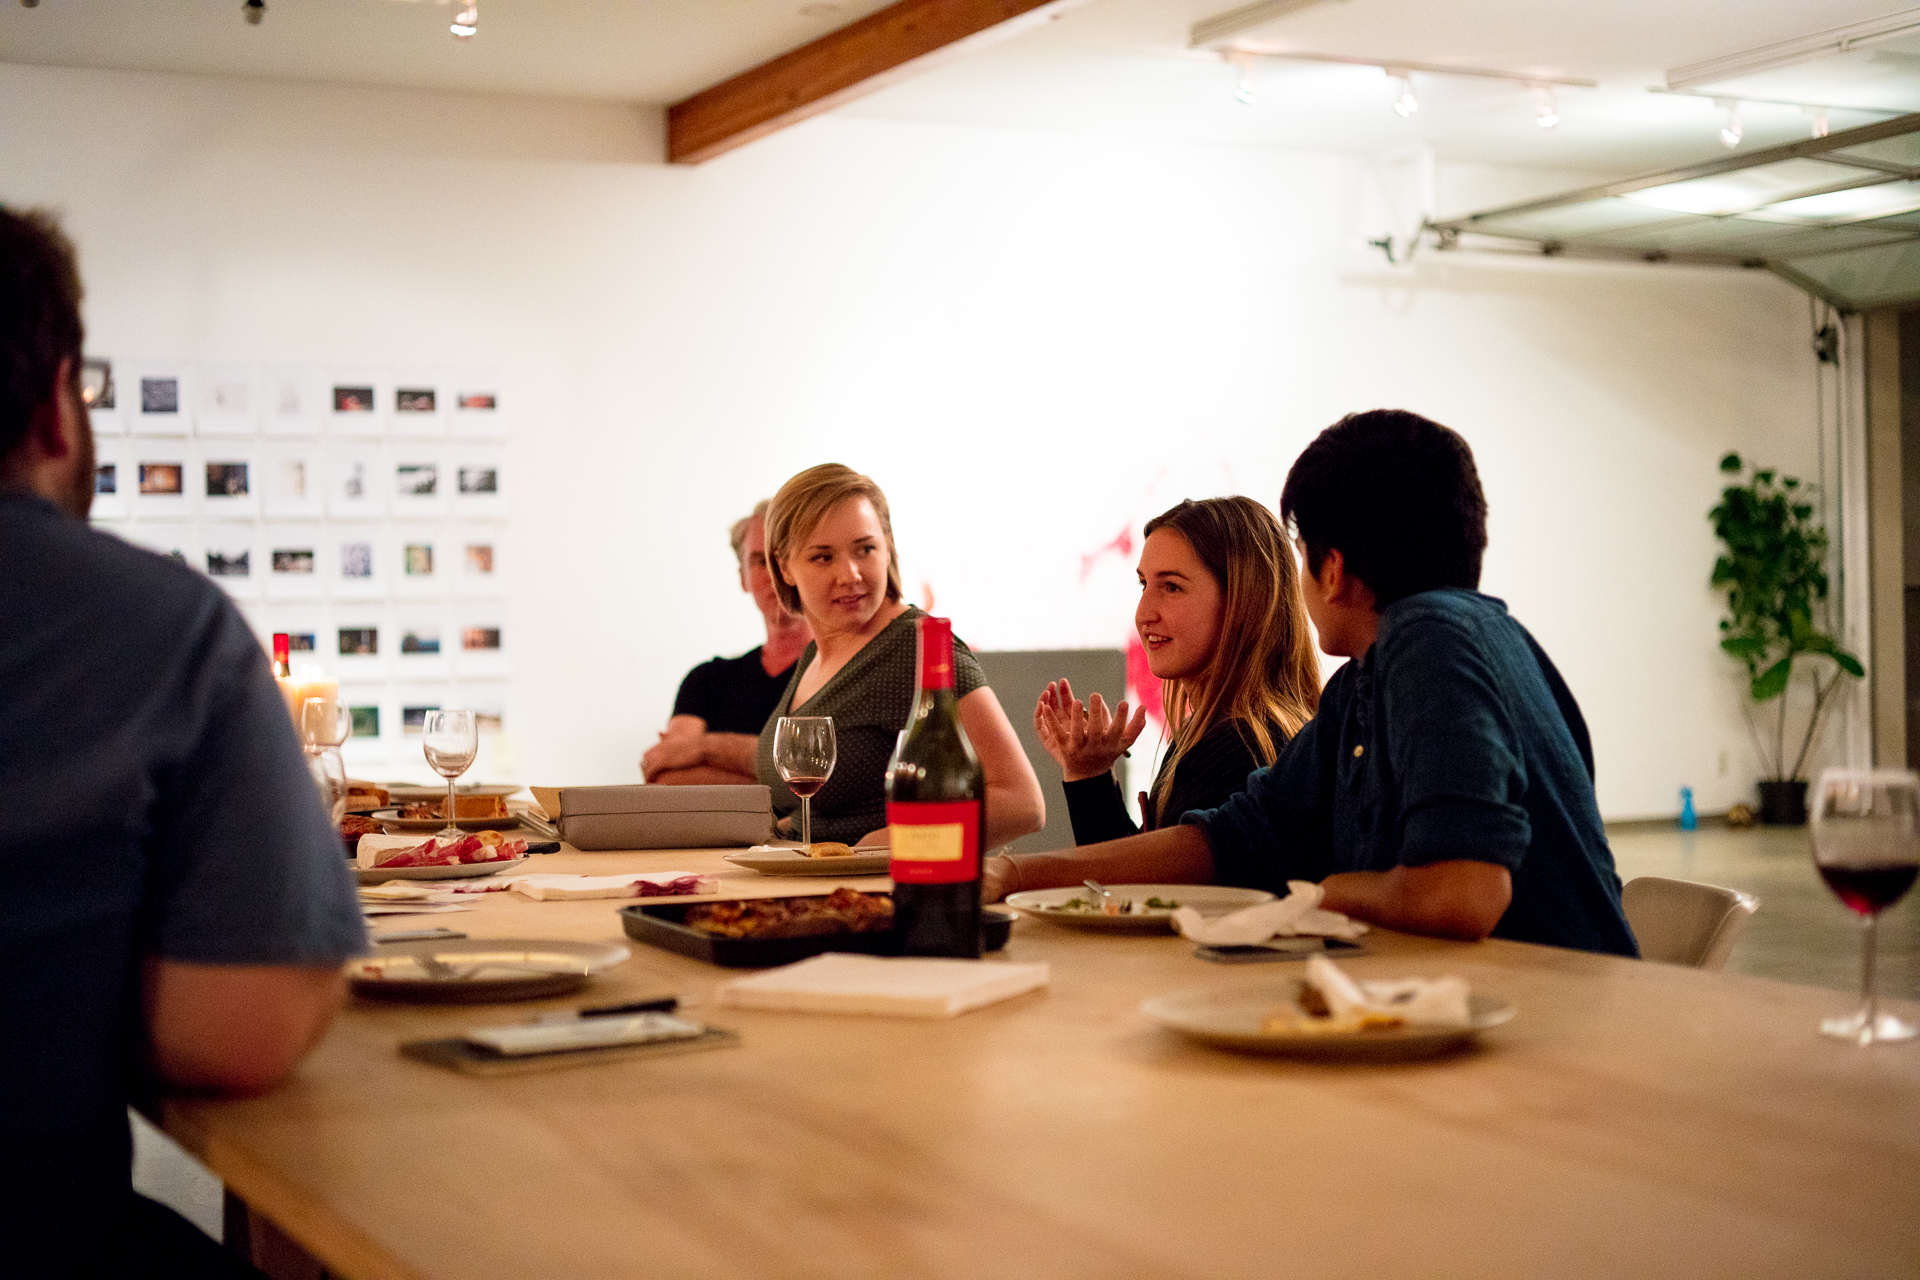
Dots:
pixel 1783 804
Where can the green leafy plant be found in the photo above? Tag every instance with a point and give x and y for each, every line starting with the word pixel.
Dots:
pixel 1773 570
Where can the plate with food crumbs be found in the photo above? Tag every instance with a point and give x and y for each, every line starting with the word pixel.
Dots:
pixel 826 860
pixel 1286 1018
pixel 476 970
pixel 1133 908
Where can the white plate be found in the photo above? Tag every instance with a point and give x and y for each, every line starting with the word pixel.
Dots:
pixel 1233 1017
pixel 395 825
pixel 1207 899
pixel 791 862
pixel 463 871
pixel 483 968
pixel 408 793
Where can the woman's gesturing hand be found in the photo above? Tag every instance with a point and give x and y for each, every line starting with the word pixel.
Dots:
pixel 1085 739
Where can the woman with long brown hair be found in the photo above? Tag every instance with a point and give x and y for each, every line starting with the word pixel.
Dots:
pixel 1225 630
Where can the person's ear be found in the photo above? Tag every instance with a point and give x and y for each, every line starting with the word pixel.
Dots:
pixel 54 430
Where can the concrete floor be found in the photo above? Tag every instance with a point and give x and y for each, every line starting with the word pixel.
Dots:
pixel 1801 932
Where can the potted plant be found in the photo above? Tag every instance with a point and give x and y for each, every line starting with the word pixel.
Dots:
pixel 1773 569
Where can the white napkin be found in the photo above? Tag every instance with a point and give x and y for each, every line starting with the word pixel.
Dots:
pixel 550 887
pixel 1297 913
pixel 907 986
pixel 1426 1001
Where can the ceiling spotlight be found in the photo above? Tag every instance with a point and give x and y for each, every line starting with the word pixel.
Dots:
pixel 1406 104
pixel 1819 115
pixel 466 22
pixel 254 11
pixel 1546 109
pixel 1732 131
pixel 1244 90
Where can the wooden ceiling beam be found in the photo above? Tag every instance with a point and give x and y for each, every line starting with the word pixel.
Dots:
pixel 886 46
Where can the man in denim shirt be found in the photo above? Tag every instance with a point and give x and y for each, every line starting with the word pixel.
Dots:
pixel 1446 785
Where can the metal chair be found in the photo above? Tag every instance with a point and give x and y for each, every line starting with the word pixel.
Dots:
pixel 1684 922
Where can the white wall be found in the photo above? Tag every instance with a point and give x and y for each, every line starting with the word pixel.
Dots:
pixel 1031 341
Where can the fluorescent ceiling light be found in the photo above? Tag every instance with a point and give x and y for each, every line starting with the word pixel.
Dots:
pixel 1856 205
pixel 1743 190
pixel 1786 53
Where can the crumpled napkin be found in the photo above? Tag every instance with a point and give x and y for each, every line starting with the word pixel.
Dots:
pixel 652 884
pixel 1297 913
pixel 1427 1001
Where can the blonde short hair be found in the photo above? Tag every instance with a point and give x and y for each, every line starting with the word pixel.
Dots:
pixel 802 503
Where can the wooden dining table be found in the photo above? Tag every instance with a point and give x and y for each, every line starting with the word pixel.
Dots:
pixel 1633 1119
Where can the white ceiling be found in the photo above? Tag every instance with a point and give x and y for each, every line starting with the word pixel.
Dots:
pixel 1110 67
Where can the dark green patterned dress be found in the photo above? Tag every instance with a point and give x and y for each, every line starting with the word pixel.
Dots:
pixel 869 700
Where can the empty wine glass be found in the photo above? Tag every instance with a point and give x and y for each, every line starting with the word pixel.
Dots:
pixel 330 776
pixel 1866 844
pixel 324 723
pixel 803 752
pixel 451 739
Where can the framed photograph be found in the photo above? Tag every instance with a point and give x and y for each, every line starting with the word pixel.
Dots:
pixel 227 478
pixel 475 556
pixel 291 402
pixel 357 482
pixel 228 401
pixel 488 701
pixel 353 407
pixel 482 649
pixel 109 481
pixel 369 711
pixel 415 700
pixel 291 479
pixel 296 559
pixel 478 481
pixel 163 478
pixel 175 539
pixel 102 394
pixel 306 628
pixel 422 649
pixel 360 645
pixel 473 407
pixel 230 557
pixel 357 567
pixel 419 484
pixel 420 557
pixel 419 407
pixel 155 399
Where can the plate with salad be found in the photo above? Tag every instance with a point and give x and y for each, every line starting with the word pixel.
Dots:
pixel 1132 908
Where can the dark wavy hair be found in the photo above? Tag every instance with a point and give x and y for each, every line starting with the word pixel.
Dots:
pixel 1398 496
pixel 39 316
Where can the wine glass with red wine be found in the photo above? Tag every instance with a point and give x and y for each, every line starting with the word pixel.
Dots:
pixel 803 752
pixel 1866 843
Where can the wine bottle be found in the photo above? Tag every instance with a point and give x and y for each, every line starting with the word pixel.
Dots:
pixel 282 655
pixel 936 814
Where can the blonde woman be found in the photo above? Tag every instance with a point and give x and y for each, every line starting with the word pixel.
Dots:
pixel 830 542
pixel 1225 629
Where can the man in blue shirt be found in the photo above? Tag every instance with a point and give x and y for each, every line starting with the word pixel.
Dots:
pixel 1446 784
pixel 176 906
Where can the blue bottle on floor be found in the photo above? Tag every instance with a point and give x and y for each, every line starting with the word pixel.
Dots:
pixel 1689 821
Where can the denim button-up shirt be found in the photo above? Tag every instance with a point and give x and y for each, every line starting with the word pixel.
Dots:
pixel 1452 737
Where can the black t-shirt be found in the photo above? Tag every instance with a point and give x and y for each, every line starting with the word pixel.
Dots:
pixel 733 695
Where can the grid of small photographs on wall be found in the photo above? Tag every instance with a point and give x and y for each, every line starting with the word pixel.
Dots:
pixel 363 512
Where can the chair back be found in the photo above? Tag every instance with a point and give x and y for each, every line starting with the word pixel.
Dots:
pixel 1017 677
pixel 1685 922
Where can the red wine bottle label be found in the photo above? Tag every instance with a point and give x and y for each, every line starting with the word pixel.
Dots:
pixel 934 843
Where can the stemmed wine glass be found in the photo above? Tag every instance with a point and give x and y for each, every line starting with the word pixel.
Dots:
pixel 803 752
pixel 324 725
pixel 451 740
pixel 1866 844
